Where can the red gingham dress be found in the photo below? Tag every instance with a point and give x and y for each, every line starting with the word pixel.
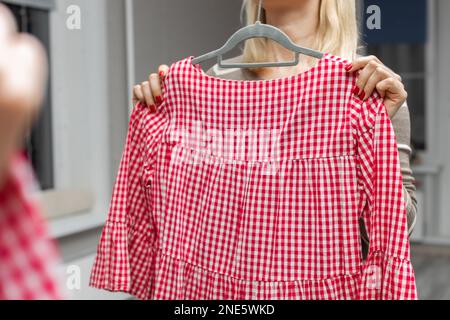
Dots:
pixel 29 259
pixel 253 190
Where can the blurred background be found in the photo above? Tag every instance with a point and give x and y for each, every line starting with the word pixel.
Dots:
pixel 98 49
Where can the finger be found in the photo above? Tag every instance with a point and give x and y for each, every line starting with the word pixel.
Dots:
pixel 163 70
pixel 360 63
pixel 378 75
pixel 391 86
pixel 8 24
pixel 155 86
pixel 394 95
pixel 148 96
pixel 363 77
pixel 26 73
pixel 138 94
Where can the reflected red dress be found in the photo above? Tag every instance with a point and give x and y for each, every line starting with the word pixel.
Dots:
pixel 253 190
pixel 29 258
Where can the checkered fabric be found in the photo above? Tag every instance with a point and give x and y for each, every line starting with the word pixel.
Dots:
pixel 253 190
pixel 29 260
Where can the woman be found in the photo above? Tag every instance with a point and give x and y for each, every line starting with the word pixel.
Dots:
pixel 327 26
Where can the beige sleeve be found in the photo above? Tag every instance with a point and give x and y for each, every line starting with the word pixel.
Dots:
pixel 402 126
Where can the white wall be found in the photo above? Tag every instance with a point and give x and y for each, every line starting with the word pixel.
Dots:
pixel 81 111
pixel 169 30
pixel 89 108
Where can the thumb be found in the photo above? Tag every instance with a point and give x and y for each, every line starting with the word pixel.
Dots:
pixel 8 26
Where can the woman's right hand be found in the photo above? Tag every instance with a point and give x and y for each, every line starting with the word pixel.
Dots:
pixel 149 92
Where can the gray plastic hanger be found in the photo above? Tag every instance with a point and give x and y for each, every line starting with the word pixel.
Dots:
pixel 258 30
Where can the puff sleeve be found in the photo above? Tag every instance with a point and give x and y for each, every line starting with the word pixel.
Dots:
pixel 387 273
pixel 124 260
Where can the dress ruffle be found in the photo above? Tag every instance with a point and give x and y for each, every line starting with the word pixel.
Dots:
pixel 124 260
pixel 175 279
pixel 387 278
pixel 178 280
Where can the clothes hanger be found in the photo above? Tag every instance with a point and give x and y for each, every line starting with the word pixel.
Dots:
pixel 258 30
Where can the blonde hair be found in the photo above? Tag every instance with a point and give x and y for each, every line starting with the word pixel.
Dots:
pixel 337 32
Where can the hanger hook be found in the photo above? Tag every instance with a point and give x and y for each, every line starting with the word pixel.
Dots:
pixel 260 5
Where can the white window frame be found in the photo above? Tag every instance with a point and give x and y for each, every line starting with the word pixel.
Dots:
pixel 428 171
pixel 82 181
pixel 82 118
pixel 429 211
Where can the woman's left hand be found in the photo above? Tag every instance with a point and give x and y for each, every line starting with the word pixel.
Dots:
pixel 373 74
pixel 23 79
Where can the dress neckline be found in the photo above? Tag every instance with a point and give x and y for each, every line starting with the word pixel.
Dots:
pixel 299 76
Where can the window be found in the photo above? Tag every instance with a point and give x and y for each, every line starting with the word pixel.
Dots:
pixel 400 43
pixel 408 60
pixel 72 198
pixel 33 17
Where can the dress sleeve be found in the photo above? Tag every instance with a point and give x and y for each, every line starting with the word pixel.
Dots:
pixel 387 272
pixel 125 251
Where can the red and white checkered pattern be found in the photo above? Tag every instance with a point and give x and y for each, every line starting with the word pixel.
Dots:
pixel 253 190
pixel 29 259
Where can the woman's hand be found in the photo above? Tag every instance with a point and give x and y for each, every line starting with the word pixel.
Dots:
pixel 23 79
pixel 373 74
pixel 149 92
